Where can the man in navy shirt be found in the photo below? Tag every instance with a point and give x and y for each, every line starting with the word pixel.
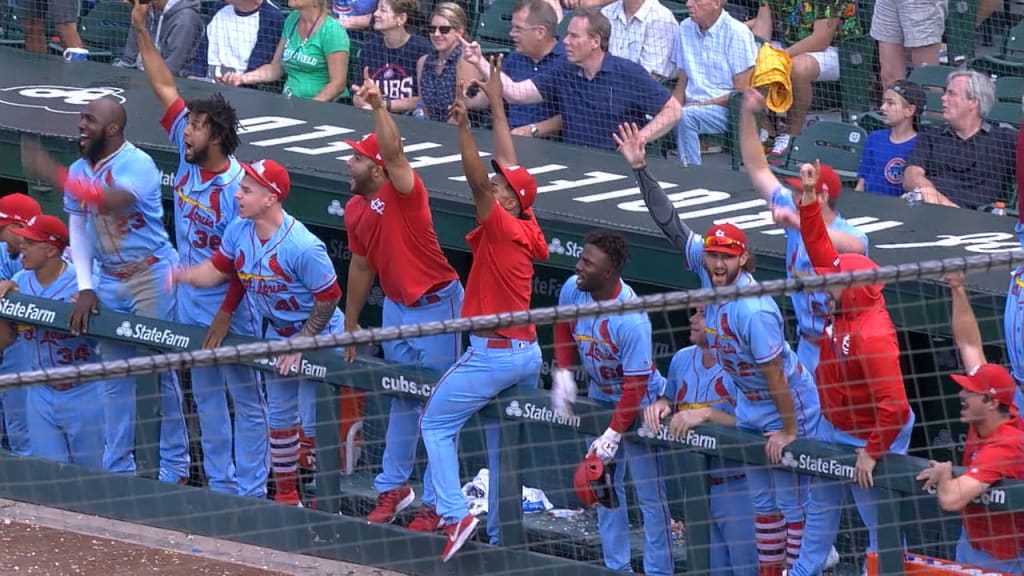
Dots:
pixel 595 90
pixel 534 33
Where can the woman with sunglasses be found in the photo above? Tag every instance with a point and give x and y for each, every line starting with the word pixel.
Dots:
pixel 393 54
pixel 313 51
pixel 443 69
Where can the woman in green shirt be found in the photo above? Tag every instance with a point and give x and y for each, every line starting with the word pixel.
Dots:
pixel 313 52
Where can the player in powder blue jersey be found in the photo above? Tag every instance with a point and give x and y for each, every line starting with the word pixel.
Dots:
pixel 65 420
pixel 236 454
pixel 112 197
pixel 16 211
pixel 811 308
pixel 615 351
pixel 776 396
pixel 697 391
pixel 290 279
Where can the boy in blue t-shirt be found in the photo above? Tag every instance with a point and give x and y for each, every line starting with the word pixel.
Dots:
pixel 886 151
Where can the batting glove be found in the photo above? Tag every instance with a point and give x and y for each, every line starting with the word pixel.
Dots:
pixel 563 392
pixel 606 445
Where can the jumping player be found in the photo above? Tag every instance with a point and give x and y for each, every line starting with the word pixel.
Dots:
pixel 860 387
pixel 697 391
pixel 391 236
pixel 776 395
pixel 289 277
pixel 811 307
pixel 16 211
pixel 504 246
pixel 205 132
pixel 65 420
pixel 615 351
pixel 115 214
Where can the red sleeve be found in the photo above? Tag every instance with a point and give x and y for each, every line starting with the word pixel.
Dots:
pixel 815 235
pixel 633 390
pixel 1020 176
pixel 995 461
pixel 222 263
pixel 565 346
pixel 171 113
pixel 331 294
pixel 880 362
pixel 234 296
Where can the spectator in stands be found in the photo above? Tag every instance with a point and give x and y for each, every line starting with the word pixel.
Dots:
pixel 355 16
pixel 886 151
pixel 714 54
pixel 968 162
pixel 535 36
pixel 177 28
pixel 595 90
pixel 643 31
pixel 240 37
pixel 902 26
pixel 443 68
pixel 35 14
pixel 392 55
pixel 313 52
pixel 807 30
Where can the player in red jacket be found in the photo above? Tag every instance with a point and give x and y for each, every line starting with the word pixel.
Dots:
pixel 860 385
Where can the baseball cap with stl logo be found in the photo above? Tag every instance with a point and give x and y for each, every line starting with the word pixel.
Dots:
pixel 522 183
pixel 271 176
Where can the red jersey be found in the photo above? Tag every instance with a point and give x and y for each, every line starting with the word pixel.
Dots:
pixel 501 278
pixel 395 233
pixel 860 383
pixel 999 455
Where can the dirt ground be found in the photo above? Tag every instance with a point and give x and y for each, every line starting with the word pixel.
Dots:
pixel 44 541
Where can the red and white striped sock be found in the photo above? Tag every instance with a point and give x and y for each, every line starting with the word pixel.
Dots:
pixel 770 530
pixel 284 460
pixel 794 537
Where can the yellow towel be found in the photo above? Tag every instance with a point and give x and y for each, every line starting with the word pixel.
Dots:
pixel 772 70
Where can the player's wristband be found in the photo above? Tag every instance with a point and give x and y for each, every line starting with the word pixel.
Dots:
pixel 81 188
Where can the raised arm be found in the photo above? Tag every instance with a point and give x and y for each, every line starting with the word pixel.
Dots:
pixel 760 173
pixel 388 138
pixel 524 92
pixel 813 229
pixel 966 333
pixel 504 147
pixel 472 165
pixel 160 77
pixel 631 146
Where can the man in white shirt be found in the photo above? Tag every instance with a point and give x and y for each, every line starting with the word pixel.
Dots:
pixel 240 37
pixel 643 31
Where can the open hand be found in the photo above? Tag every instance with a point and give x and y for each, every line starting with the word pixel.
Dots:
pixel 631 144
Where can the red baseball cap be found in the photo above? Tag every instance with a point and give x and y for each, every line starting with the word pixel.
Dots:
pixel 271 176
pixel 367 147
pixel 991 380
pixel 828 182
pixel 521 182
pixel 725 239
pixel 45 228
pixel 18 208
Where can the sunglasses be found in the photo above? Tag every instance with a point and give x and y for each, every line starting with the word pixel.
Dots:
pixel 723 242
pixel 439 29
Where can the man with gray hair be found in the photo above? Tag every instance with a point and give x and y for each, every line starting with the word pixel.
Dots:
pixel 535 35
pixel 968 162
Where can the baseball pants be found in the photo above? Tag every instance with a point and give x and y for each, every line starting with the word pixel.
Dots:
pixel 292 398
pixel 967 554
pixel 431 352
pixel 480 374
pixel 14 402
pixel 144 294
pixel 827 497
pixel 733 552
pixel 68 425
pixel 808 352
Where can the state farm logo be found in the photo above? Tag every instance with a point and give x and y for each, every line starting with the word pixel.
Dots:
pixel 690 439
pixel 59 99
pixel 336 209
pixel 532 411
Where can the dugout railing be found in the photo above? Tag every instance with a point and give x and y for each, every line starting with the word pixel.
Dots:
pixel 324 533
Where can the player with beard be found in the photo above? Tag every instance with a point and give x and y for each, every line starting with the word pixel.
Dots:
pixel 16 211
pixel 615 351
pixel 391 236
pixel 775 394
pixel 205 132
pixel 115 215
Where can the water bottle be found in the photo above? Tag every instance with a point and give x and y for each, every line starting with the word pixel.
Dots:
pixel 1000 209
pixel 914 197
pixel 419 113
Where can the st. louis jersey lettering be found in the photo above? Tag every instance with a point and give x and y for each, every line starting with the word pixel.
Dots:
pixel 44 347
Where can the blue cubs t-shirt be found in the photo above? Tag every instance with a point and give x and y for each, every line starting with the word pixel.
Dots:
pixel 882 163
pixel 394 69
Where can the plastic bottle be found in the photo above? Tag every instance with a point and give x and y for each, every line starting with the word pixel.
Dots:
pixel 419 113
pixel 1000 209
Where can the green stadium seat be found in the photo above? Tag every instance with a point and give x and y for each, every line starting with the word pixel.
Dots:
pixel 960 19
pixel 858 62
pixel 1009 89
pixel 835 143
pixel 495 30
pixel 1008 113
pixel 10 27
pixel 1008 63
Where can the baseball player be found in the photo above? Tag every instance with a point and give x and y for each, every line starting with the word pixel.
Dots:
pixel 811 308
pixel 16 211
pixel 615 351
pixel 289 277
pixel 1013 313
pixel 860 387
pixel 697 391
pixel 236 454
pixel 66 421
pixel 115 214
pixel 504 246
pixel 776 395
pixel 391 236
